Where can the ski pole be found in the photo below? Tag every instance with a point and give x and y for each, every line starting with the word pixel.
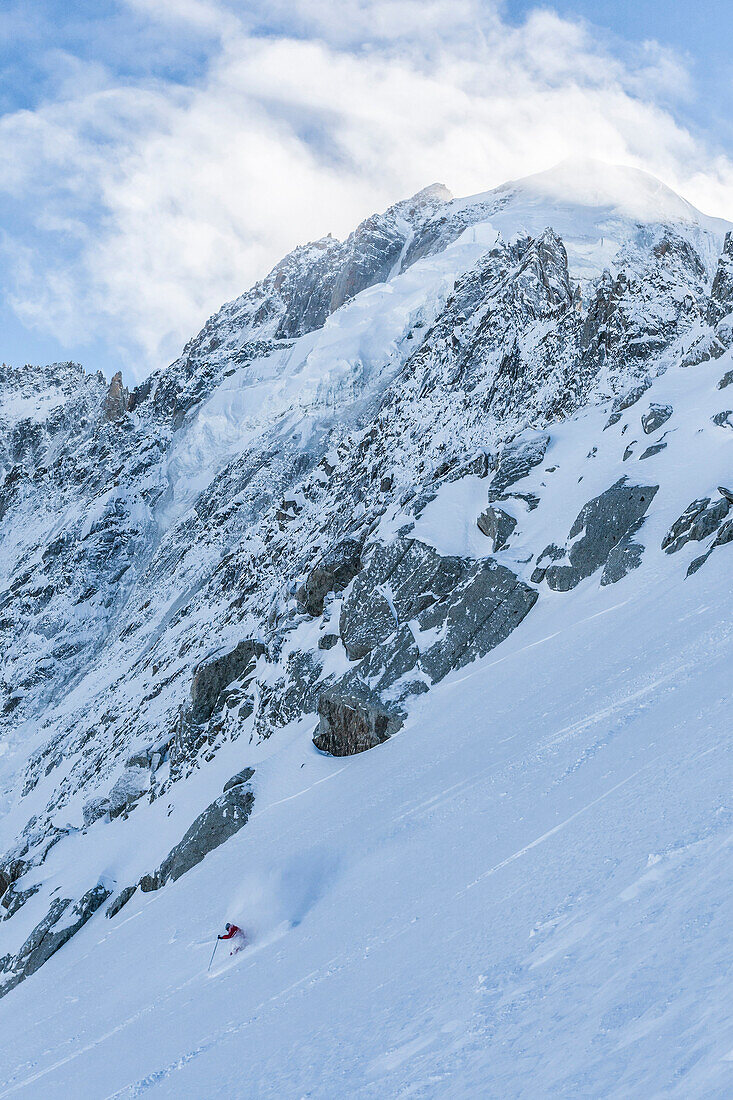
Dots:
pixel 212 954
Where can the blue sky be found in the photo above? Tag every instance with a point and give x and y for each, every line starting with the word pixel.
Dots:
pixel 699 32
pixel 159 157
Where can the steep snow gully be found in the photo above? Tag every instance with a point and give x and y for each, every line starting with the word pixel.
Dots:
pixel 453 500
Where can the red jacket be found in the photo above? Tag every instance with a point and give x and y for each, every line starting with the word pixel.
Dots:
pixel 233 930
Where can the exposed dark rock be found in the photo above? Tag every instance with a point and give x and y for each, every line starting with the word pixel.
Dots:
pixel 549 554
pixel 216 673
pixel 727 493
pixel 117 399
pixel 721 292
pixel 517 460
pixel 328 641
pixel 219 821
pixel 14 899
pixel 387 664
pixel 478 465
pixel 628 453
pixel 723 537
pixel 483 609
pixel 530 499
pixel 497 525
pixel 622 559
pixel 10 872
pixel 127 791
pixel 138 760
pixel 705 348
pixel 696 563
pixel 444 467
pixel 332 573
pixel 371 252
pixel 683 524
pixel 626 400
pixel 46 939
pixel 38 949
pixel 699 519
pixel 414 575
pixel 152 756
pixel 31 956
pixel 602 524
pixel 293 694
pixel 724 419
pixel 349 724
pixel 122 899
pixel 367 617
pixel 442 612
pixel 653 450
pixel 726 380
pixel 655 417
pixel 237 780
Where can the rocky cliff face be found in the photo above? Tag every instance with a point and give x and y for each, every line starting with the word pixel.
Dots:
pixel 339 494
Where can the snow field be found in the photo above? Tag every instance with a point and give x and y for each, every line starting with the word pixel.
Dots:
pixel 525 892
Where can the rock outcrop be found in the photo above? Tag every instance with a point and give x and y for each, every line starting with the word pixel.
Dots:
pixel 218 822
pixel 216 673
pixel 331 573
pixel 128 789
pixel 350 723
pixel 121 900
pixel 655 416
pixel 413 615
pixel 516 461
pixel 723 537
pixel 497 525
pixel 63 920
pixel 239 779
pixel 602 535
pixel 117 398
pixel 721 292
pixel 626 400
pixel 699 519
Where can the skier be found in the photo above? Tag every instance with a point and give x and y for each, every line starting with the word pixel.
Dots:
pixel 236 935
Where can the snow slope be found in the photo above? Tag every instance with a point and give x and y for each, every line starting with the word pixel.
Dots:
pixel 525 893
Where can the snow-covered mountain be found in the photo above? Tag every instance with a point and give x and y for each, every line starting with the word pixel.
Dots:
pixel 457 491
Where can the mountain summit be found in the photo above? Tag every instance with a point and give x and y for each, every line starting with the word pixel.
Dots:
pixel 387 624
pixel 628 192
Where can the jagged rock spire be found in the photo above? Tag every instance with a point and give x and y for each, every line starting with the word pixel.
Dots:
pixel 117 399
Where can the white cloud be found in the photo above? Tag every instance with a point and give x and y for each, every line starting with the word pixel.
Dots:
pixel 206 16
pixel 155 202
